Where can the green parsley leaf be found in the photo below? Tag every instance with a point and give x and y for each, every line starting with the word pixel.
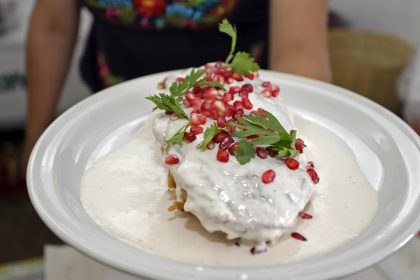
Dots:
pixel 178 137
pixel 244 152
pixel 171 102
pixel 210 132
pixel 167 103
pixel 266 131
pixel 215 84
pixel 226 27
pixel 178 89
pixel 243 63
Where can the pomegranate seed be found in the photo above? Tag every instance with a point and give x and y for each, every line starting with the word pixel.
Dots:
pixel 227 97
pixel 210 145
pixel 238 105
pixel 213 114
pixel 229 80
pixel 314 176
pixel 210 93
pixel 225 144
pixel 220 93
pixel 230 127
pixel 266 93
pixel 275 91
pixel 247 88
pixel 197 89
pixel 190 137
pixel 168 113
pixel 261 112
pixel 291 163
pixel 234 90
pixel 247 103
pixel 243 94
pixel 220 136
pixel 219 106
pixel 189 95
pixel 196 130
pixel 196 103
pixel 299 147
pixel 187 103
pixel 310 164
pixel 261 152
pixel 202 118
pixel 197 111
pixel 230 110
pixel 237 243
pixel 228 73
pixel 272 153
pixel 250 76
pixel 298 236
pixel 206 113
pixel 238 113
pixel 266 85
pixel 237 77
pixel 194 119
pixel 171 159
pixel 206 105
pixel 174 117
pixel 305 216
pixel 220 79
pixel 222 155
pixel 255 250
pixel 221 122
pixel 232 148
pixel 268 176
pixel 179 79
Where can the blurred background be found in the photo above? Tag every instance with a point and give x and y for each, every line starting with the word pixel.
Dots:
pixel 373 46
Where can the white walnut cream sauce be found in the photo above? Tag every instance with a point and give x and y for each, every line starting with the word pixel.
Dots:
pixel 126 194
pixel 231 198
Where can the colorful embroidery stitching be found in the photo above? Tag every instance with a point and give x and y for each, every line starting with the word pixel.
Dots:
pixel 193 14
pixel 105 73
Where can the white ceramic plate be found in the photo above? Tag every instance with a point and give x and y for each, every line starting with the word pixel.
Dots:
pixel 387 150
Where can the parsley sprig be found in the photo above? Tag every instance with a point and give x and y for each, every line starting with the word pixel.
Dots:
pixel 210 132
pixel 263 131
pixel 241 62
pixel 171 102
pixel 178 137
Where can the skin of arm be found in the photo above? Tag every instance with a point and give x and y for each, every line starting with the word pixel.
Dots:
pixel 49 48
pixel 298 38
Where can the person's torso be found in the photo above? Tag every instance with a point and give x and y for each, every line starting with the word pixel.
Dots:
pixel 132 38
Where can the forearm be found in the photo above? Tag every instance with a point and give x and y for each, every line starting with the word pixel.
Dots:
pixel 49 50
pixel 305 62
pixel 298 38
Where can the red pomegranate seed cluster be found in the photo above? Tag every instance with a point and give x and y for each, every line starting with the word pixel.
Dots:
pixel 223 107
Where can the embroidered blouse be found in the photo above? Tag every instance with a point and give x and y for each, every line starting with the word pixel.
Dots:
pixel 132 38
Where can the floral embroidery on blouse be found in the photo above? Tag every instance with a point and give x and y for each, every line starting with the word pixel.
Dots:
pixel 107 78
pixel 193 14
